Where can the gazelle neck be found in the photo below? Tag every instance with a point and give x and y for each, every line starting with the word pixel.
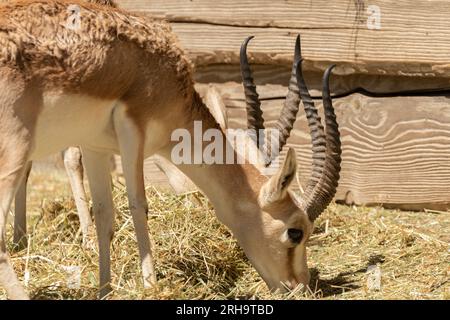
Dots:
pixel 227 187
pixel 231 188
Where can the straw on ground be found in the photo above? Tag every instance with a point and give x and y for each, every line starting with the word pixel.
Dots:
pixel 197 258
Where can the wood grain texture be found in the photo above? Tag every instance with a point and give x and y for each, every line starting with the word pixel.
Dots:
pixel 413 39
pixel 391 157
pixel 340 84
pixel 304 14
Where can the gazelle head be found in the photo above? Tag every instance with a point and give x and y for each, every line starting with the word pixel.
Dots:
pixel 276 242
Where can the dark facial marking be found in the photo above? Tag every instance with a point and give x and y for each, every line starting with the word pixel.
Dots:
pixel 295 235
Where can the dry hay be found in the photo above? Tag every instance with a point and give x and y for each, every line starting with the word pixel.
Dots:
pixel 196 257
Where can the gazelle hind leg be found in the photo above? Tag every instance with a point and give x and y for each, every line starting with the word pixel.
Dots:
pixel 99 176
pixel 131 143
pixel 13 162
pixel 20 212
pixel 74 168
pixel 18 102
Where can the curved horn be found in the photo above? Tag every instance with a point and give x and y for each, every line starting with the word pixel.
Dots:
pixel 325 189
pixel 297 91
pixel 317 132
pixel 255 120
pixel 292 103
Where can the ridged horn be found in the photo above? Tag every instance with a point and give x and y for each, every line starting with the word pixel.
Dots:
pixel 255 120
pixel 297 91
pixel 317 133
pixel 292 103
pixel 325 189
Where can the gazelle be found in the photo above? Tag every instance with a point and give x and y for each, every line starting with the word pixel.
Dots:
pixel 121 84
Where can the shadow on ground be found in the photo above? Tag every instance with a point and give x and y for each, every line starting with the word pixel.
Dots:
pixel 63 293
pixel 343 282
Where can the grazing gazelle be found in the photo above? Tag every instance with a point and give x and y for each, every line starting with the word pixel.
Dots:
pixel 116 83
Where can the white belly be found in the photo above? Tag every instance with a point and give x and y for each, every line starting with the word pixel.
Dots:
pixel 74 120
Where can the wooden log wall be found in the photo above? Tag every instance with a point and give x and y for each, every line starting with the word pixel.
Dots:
pixel 396 150
pixel 412 39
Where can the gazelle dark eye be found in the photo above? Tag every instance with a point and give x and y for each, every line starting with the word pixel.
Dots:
pixel 295 235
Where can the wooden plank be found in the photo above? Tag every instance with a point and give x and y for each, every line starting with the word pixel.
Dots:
pixel 412 39
pixel 262 13
pixel 340 84
pixel 389 53
pixel 390 157
pixel 320 14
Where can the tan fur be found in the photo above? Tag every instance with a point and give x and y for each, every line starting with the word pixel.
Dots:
pixel 104 2
pixel 27 42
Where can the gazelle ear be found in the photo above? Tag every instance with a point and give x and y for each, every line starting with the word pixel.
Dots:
pixel 275 189
pixel 216 106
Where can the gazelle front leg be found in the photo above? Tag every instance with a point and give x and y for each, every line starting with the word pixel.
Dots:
pixel 99 177
pixel 131 144
pixel 20 212
pixel 74 168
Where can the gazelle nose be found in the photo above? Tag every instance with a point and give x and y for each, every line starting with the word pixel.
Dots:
pixel 298 282
pixel 294 285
